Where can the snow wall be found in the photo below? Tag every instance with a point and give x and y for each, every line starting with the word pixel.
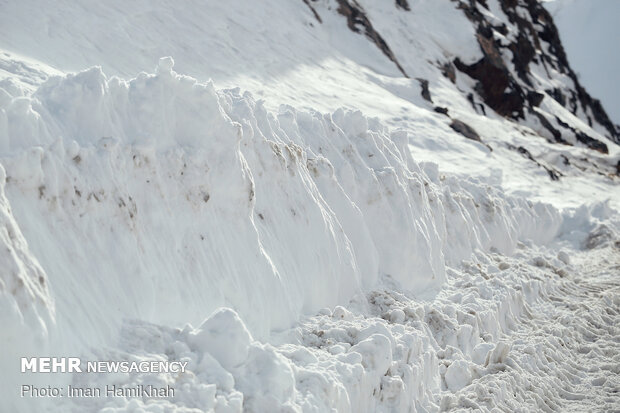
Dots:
pixel 163 199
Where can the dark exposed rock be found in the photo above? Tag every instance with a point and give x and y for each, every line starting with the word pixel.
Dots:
pixel 495 83
pixel 448 71
pixel 522 54
pixel 591 143
pixel 357 21
pixel 513 96
pixel 478 107
pixel 601 117
pixel 465 130
pixel 502 29
pixel 553 173
pixel 442 110
pixel 584 138
pixel 484 3
pixel 548 32
pixel 534 98
pixel 403 4
pixel 316 15
pixel 557 95
pixel 557 135
pixel 504 81
pixel 495 86
pixel 426 93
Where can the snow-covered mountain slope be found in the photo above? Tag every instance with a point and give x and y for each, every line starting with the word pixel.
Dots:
pixel 324 57
pixel 371 206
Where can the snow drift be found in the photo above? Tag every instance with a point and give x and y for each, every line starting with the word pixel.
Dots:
pixel 171 199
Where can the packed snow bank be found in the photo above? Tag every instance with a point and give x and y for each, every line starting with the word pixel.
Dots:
pixel 163 199
pixel 26 307
pixel 168 179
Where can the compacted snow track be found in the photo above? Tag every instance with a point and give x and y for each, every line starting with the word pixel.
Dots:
pixel 563 350
pixel 530 332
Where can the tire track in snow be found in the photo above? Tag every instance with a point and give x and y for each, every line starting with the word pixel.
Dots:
pixel 565 353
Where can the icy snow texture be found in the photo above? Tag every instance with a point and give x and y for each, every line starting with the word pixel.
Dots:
pixel 194 199
pixel 170 179
pixel 26 306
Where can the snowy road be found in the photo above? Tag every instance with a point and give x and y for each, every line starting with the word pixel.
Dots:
pixel 564 347
pixel 545 339
pixel 530 332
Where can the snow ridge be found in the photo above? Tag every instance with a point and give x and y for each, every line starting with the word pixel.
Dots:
pixel 195 199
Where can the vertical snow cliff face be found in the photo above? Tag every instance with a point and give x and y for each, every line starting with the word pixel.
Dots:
pixel 163 199
pixel 27 311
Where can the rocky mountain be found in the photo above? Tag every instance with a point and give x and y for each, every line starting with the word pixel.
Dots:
pixel 522 64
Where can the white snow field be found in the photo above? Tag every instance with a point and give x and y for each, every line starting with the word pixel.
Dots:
pixel 257 190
